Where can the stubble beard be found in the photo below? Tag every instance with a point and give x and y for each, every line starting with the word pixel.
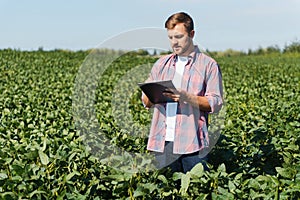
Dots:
pixel 183 51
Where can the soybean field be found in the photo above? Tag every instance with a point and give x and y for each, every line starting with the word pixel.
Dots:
pixel 61 120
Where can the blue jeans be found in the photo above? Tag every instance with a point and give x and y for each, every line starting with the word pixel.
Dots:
pixel 178 162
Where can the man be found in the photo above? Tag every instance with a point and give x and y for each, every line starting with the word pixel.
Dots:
pixel 179 129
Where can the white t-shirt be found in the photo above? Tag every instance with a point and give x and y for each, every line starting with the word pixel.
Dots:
pixel 171 108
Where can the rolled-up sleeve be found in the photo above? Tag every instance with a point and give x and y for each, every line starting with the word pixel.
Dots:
pixel 214 87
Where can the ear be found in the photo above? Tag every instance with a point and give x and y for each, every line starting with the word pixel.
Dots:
pixel 192 34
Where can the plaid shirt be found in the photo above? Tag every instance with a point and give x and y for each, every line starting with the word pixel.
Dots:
pixel 202 77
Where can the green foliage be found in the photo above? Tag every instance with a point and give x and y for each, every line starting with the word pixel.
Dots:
pixel 43 155
pixel 294 47
pixel 264 51
pixel 226 53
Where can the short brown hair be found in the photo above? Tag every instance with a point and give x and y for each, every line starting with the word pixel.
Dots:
pixel 180 17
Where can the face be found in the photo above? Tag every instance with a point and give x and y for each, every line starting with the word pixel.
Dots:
pixel 181 41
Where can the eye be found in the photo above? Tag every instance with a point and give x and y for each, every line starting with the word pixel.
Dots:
pixel 178 36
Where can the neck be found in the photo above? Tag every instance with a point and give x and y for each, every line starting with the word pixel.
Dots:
pixel 188 51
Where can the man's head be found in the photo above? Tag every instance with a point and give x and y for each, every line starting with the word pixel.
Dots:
pixel 178 18
pixel 180 29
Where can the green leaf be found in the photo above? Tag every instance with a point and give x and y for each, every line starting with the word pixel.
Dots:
pixel 274 180
pixel 263 178
pixel 3 176
pixel 43 157
pixel 6 111
pixel 285 172
pixel 197 171
pixel 223 194
pixel 201 196
pixel 150 187
pixel 253 183
pixel 231 186
pixel 222 168
pixel 43 148
pixel 36 192
pixel 17 178
pixel 177 175
pixel 70 176
pixel 163 179
pixel 139 192
pixel 185 182
pixel 6 195
pixel 31 126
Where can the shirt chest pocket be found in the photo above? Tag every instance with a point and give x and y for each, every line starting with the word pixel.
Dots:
pixel 196 83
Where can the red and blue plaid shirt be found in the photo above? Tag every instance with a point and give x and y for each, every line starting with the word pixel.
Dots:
pixel 202 77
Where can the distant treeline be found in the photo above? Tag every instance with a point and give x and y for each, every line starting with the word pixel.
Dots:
pixel 294 47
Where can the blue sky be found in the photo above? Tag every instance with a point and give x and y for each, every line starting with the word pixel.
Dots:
pixel 74 24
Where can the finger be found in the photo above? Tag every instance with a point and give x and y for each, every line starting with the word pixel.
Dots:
pixel 169 91
pixel 167 94
pixel 177 97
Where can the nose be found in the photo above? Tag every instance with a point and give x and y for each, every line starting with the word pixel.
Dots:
pixel 173 41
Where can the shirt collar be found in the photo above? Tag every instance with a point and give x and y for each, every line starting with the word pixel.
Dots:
pixel 191 56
